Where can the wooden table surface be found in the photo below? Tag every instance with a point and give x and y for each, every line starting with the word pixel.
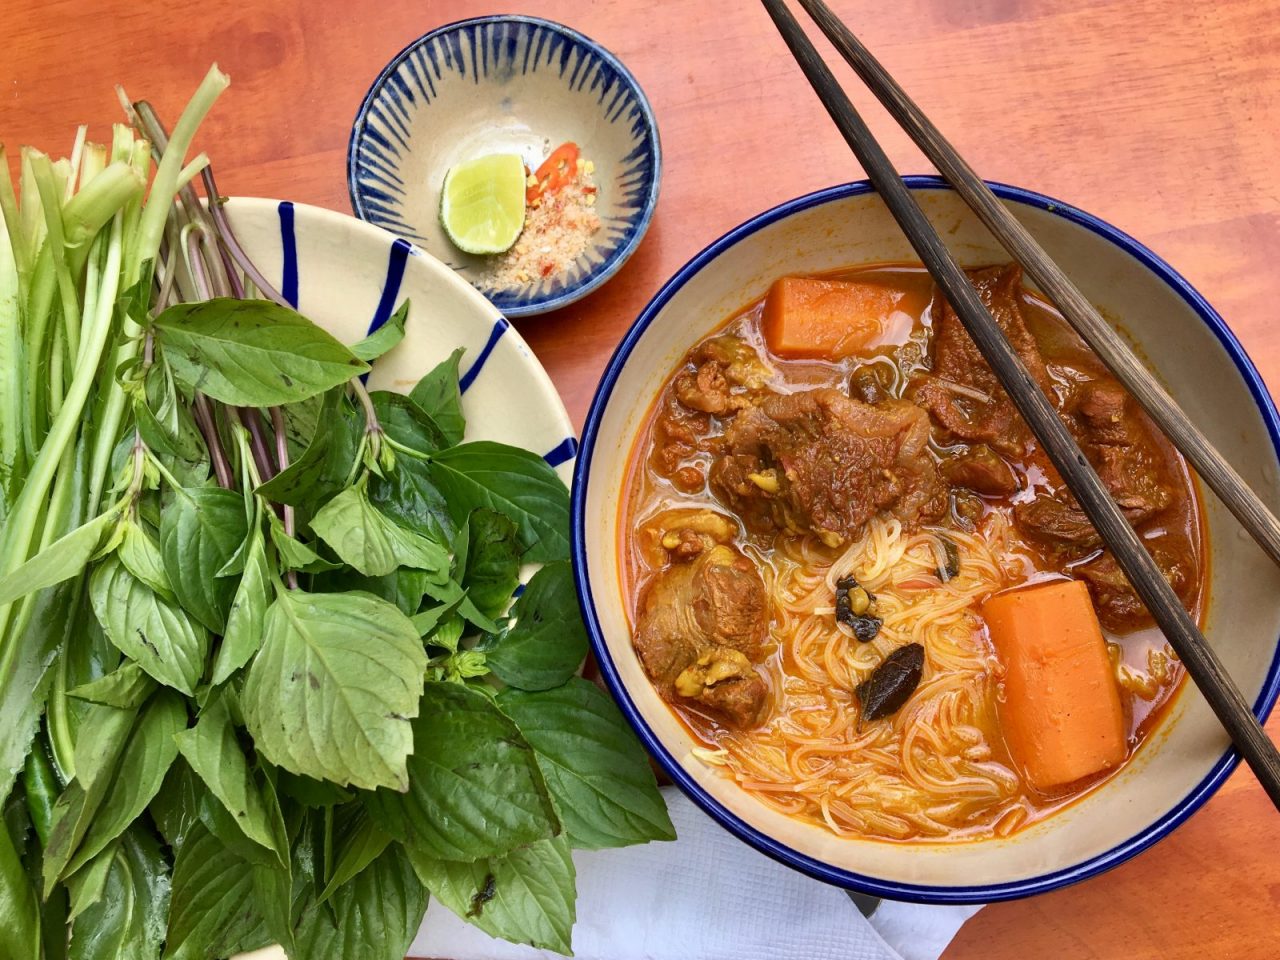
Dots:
pixel 1161 116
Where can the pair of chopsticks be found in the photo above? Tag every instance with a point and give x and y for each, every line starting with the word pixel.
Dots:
pixel 1202 663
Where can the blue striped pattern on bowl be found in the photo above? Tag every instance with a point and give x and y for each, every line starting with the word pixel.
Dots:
pixel 515 84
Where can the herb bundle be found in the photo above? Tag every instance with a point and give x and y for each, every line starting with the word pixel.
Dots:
pixel 267 669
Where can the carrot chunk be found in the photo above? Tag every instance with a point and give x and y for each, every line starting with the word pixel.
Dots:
pixel 1061 711
pixel 826 319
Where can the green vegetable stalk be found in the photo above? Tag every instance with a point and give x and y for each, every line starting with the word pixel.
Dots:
pixel 267 667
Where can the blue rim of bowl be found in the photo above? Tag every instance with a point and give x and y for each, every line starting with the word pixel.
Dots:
pixel 641 225
pixel 827 873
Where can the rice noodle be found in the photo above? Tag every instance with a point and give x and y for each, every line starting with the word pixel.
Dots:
pixel 936 768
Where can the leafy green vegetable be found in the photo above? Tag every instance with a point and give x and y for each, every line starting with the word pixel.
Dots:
pixel 369 541
pixel 299 482
pixel 61 560
pixel 489 561
pixel 251 353
pixel 525 896
pixel 257 618
pixel 199 532
pixel 158 634
pixel 513 482
pixel 437 394
pixel 248 612
pixel 600 777
pixel 547 642
pixel 212 899
pixel 474 789
pixel 130 922
pixel 213 752
pixel 125 688
pixel 19 907
pixel 331 692
pixel 384 338
pixel 379 909
pixel 358 843
pixel 142 768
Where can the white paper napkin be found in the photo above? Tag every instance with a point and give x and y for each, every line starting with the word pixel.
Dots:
pixel 708 896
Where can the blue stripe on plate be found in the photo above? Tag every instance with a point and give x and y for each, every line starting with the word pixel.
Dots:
pixel 391 286
pixel 564 451
pixel 289 254
pixel 468 378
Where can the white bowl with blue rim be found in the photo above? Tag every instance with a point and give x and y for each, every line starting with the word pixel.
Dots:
pixel 349 277
pixel 1203 366
pixel 505 84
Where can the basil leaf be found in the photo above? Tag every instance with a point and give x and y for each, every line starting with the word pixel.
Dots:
pixel 211 906
pixel 213 752
pixel 248 612
pixel 359 842
pixel 104 734
pixel 201 529
pixel 384 338
pixel 474 788
pixel 19 906
pixel 177 806
pixel 252 353
pixel 547 642
pixel 438 395
pixel 409 497
pixel 126 687
pixel 595 768
pixel 331 692
pixel 491 568
pixel 147 628
pixel 512 481
pixel 293 553
pixel 406 423
pixel 405 588
pixel 138 778
pixel 526 896
pixel 309 792
pixel 130 922
pixel 61 560
pixel 141 557
pixel 297 483
pixel 374 916
pixel 85 887
pixel 273 896
pixel 371 542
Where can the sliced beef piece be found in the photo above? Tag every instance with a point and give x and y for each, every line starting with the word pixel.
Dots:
pixel 701 630
pixel 817 461
pixel 981 470
pixel 1118 606
pixel 961 390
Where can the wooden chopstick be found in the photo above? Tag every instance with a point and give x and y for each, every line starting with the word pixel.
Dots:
pixel 1179 628
pixel 1221 477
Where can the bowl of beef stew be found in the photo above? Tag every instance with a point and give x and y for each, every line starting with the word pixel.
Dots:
pixel 845 601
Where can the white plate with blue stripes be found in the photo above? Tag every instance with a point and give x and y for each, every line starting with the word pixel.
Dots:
pixel 349 276
pixel 506 84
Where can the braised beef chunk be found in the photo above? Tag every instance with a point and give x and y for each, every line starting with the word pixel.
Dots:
pixel 725 370
pixel 1117 441
pixel 1118 605
pixel 700 631
pixel 961 391
pixel 817 461
pixel 679 434
pixel 981 470
pixel 1057 523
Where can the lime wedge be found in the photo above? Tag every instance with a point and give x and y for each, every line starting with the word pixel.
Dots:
pixel 482 203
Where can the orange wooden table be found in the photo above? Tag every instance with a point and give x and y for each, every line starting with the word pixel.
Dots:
pixel 1161 116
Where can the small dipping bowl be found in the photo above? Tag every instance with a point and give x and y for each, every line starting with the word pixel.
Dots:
pixel 506 84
